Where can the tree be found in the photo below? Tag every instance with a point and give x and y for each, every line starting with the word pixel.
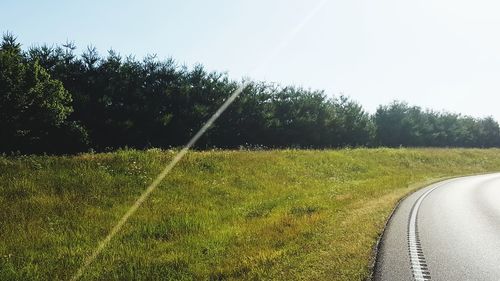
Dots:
pixel 396 124
pixel 114 101
pixel 489 133
pixel 33 106
pixel 350 124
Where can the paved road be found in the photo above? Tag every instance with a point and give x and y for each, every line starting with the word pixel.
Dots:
pixel 447 231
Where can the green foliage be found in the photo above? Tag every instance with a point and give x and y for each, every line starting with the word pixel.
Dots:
pixel 219 215
pixel 33 106
pixel 55 101
pixel 398 124
pixel 152 103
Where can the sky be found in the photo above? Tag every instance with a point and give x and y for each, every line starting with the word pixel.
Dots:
pixel 438 54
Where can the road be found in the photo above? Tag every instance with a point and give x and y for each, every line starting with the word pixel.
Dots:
pixel 447 231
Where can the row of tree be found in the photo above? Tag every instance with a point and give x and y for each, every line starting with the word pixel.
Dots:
pixel 53 101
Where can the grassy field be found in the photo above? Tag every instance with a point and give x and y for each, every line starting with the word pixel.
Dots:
pixel 253 215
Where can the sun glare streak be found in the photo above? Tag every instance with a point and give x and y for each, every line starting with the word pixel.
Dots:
pixel 144 196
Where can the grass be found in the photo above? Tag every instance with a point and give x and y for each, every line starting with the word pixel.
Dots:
pixel 220 215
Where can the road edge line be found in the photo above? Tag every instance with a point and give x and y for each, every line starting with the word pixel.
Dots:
pixel 421 185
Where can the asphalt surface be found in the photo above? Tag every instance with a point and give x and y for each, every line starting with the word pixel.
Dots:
pixel 447 231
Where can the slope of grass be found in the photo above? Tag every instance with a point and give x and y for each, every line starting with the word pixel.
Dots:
pixel 220 215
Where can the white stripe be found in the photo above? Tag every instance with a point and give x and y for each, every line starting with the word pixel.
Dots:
pixel 415 261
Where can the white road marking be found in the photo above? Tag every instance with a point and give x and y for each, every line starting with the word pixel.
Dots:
pixel 417 259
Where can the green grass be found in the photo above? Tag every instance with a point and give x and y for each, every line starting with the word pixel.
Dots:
pixel 220 215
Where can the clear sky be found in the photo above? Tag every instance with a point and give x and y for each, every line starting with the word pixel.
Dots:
pixel 441 54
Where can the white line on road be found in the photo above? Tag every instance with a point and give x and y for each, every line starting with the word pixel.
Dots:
pixel 417 259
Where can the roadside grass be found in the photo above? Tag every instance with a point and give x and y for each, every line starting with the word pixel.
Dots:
pixel 220 215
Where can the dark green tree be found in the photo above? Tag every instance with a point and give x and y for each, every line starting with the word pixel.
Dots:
pixel 33 106
pixel 122 101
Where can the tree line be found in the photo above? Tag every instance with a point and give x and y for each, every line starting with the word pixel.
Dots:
pixel 54 101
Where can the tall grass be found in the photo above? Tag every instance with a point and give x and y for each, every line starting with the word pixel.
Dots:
pixel 220 215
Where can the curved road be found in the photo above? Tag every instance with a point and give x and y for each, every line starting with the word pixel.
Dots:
pixel 447 231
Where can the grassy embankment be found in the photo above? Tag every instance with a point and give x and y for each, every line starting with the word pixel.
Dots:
pixel 289 215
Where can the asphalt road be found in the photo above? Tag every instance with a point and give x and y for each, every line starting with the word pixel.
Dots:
pixel 447 231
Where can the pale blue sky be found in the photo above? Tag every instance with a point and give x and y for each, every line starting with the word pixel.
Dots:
pixel 442 54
